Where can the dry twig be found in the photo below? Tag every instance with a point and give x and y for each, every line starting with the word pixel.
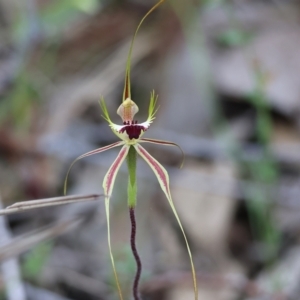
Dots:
pixel 32 204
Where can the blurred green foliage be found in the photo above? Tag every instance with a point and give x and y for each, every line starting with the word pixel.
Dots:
pixel 125 264
pixel 263 173
pixel 35 260
pixel 59 13
pixel 53 17
pixel 233 37
pixel 17 106
pixel 28 26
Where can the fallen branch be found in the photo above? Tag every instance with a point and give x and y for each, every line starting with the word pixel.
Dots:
pixel 32 204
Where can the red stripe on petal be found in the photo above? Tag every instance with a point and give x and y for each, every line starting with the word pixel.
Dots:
pixel 112 172
pixel 155 164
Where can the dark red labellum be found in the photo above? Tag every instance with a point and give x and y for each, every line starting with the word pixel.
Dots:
pixel 132 129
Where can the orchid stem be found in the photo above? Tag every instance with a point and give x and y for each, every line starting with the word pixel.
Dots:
pixel 132 186
pixel 135 287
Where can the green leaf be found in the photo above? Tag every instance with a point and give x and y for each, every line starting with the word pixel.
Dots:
pixel 36 259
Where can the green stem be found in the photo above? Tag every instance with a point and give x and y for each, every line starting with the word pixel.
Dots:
pixel 132 186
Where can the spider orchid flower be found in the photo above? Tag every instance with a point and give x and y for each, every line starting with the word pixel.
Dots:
pixel 131 134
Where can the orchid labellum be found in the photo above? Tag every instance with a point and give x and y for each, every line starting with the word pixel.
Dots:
pixel 130 134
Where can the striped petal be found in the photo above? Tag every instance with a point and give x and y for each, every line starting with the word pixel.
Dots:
pixel 166 143
pixel 96 151
pixel 163 179
pixel 110 177
pixel 108 184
